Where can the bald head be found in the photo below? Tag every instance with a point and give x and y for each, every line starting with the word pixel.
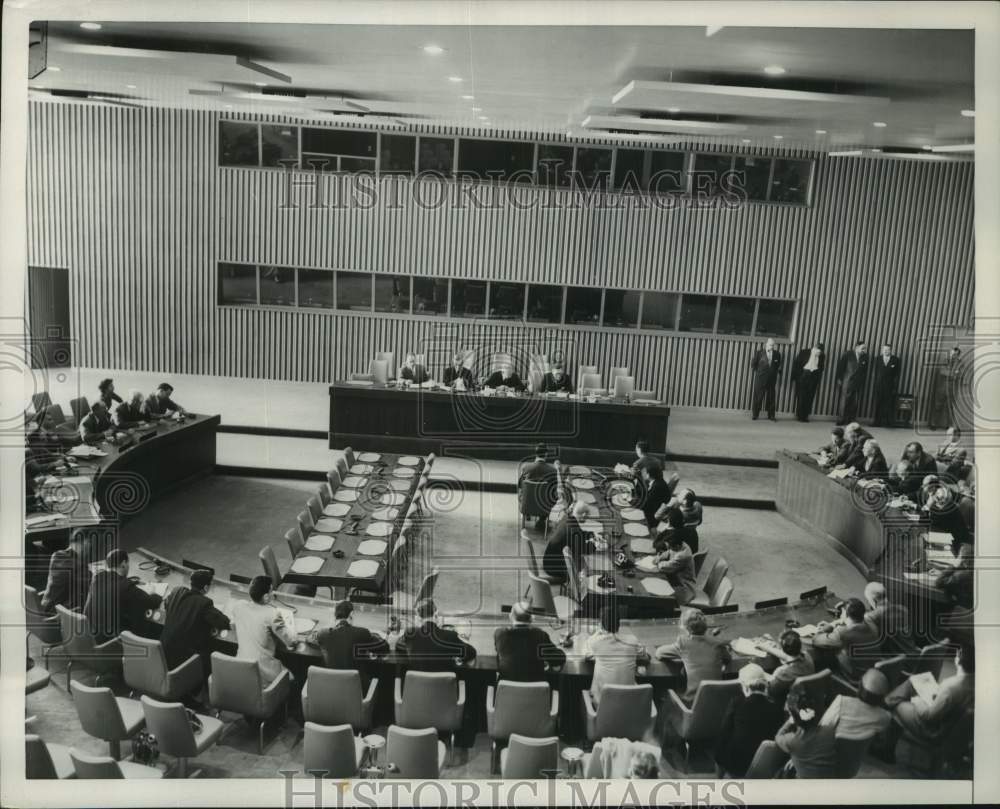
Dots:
pixel 580 510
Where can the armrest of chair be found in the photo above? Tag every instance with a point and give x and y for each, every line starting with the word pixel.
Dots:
pixel 588 705
pixel 677 712
pixel 276 693
pixel 554 710
pixel 188 671
pixel 367 703
pixel 367 698
pixel 282 680
pixel 461 694
pixel 398 695
pixel 490 701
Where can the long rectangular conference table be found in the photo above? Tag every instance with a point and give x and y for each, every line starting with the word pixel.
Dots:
pixel 433 418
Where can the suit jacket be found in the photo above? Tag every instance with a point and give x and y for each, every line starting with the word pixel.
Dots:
pixel 189 620
pixel 646 462
pixel 496 380
pixel 658 493
pixel 679 569
pixel 522 652
pixel 433 648
pixel 802 358
pixel 703 656
pixel 748 722
pixel 127 415
pixel 886 376
pixel 92 426
pixel 786 674
pixel 874 467
pixel 854 645
pixel 346 646
pixel 955 695
pixel 154 406
pixel 69 581
pixel 852 371
pixel 549 383
pixel 853 450
pixel 417 374
pixel 911 483
pixel 539 471
pixel 115 604
pixel 568 534
pixel 766 372
pixel 463 373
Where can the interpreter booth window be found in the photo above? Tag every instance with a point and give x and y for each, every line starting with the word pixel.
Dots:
pixel 583 306
pixel 354 291
pixel 430 296
pixel 736 315
pixel 279 145
pixel 545 303
pixel 630 171
pixel 468 298
pixel 495 160
pixel 752 174
pixel 239 144
pixel 710 173
pixel 392 293
pixel 659 310
pixel 398 154
pixel 790 182
pixel 621 308
pixel 775 318
pixel 237 284
pixel 698 313
pixel 593 168
pixel 506 301
pixel 316 289
pixel 554 165
pixel 437 155
pixel 666 172
pixel 277 286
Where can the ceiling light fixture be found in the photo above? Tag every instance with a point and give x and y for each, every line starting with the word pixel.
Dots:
pixel 968 113
pixel 673 110
pixel 778 137
pixel 955 147
pixel 129 86
pixel 852 153
pixel 455 79
pixel 876 150
pixel 927 147
pixel 54 68
pixel 229 106
pixel 468 98
pixel 477 109
pixel 774 70
pixel 483 118
pixel 747 140
pixel 820 131
pixel 90 26
pixel 261 83
pixel 879 124
pixel 433 50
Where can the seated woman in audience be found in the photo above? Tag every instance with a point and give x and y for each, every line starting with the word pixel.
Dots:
pixel 751 718
pixel 412 371
pixel 871 465
pixel 954 696
pixel 704 657
pixel 863 716
pixel 677 563
pixel 259 627
pixel 615 654
pixel 811 745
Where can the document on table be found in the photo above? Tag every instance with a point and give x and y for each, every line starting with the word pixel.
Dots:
pixel 38 520
pixel 746 648
pixel 807 631
pixel 86 451
pixel 839 474
pixel 939 539
pixel 925 685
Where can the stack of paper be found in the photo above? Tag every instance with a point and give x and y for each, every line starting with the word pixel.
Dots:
pixel 86 451
pixel 746 648
pixel 925 685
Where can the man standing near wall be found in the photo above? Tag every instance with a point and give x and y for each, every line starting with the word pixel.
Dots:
pixel 766 367
pixel 852 372
pixel 887 368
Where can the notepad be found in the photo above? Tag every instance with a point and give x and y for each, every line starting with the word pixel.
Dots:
pixel 746 648
pixel 379 529
pixel 636 529
pixel 329 525
pixel 372 547
pixel 925 685
pixel 370 457
pixel 807 631
pixel 336 510
pixel 362 569
pixel 582 483
pixel 320 543
pixel 632 514
pixel 647 564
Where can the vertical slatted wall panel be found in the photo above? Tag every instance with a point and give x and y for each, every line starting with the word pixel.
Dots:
pixel 133 203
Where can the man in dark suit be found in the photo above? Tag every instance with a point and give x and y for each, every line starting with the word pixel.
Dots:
pixel 887 368
pixel 656 495
pixel 807 370
pixel 96 424
pixel 115 603
pixel 106 391
pixel 569 534
pixel 853 447
pixel 190 619
pixel 159 403
pixel 543 474
pixel 644 460
pixel 457 371
pixel 852 372
pixel 505 377
pixel 345 646
pixel 431 647
pixel 524 650
pixel 412 371
pixel 766 367
pixel 851 640
pixel 69 575
pixel 557 380
pixel 130 414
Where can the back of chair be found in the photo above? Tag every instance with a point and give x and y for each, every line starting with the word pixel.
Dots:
pixel 39 401
pixel 54 416
pixel 624 386
pixel 723 593
pixel 932 657
pixel 334 696
pixel 625 711
pixel 540 596
pixel 699 560
pixel 168 722
pixel 305 521
pixel 36 621
pixel 572 578
pixel 79 407
pixel 768 759
pixel 893 668
pixel 427 696
pixel 324 495
pixel 850 754
pixel 349 456
pixel 414 752
pixel 590 381
pixel 715 576
pixel 522 708
pixel 389 358
pixel 379 370
pixel 329 751
pixel 531 758
pixel 818 684
pixel 342 467
pixel 530 553
pixel 270 565
pixel 77 638
pixel 293 536
pixel 358 377
pixel 234 685
pixel 144 664
pixel 98 710
pixel 333 480
pixel 87 766
pixel 535 379
pixel 709 707
pixel 315 508
pixel 427 586
pixel 617 371
pixel 583 370
pixel 537 497
pixel 37 761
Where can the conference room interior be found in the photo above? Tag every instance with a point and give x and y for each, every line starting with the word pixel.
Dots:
pixel 304 250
